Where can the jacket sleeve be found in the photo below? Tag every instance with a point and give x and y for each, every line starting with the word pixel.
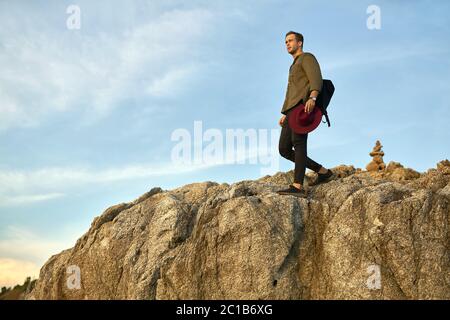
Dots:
pixel 312 70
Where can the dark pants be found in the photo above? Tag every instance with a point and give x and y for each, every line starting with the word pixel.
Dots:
pixel 289 139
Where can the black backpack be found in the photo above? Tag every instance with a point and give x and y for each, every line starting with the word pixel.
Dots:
pixel 324 97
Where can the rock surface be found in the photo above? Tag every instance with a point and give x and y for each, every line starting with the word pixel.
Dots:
pixel 363 235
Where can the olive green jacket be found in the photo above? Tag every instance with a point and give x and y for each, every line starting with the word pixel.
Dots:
pixel 304 77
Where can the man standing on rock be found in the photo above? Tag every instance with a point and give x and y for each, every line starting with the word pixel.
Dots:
pixel 304 85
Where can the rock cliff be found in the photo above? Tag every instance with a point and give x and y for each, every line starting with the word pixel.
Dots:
pixel 363 235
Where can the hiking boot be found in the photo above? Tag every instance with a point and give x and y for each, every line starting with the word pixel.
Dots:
pixel 293 191
pixel 323 177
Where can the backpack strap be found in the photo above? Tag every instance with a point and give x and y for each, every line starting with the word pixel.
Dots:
pixel 326 117
pixel 324 110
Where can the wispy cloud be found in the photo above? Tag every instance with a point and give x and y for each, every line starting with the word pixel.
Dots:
pixel 22 244
pixel 172 81
pixel 27 199
pixel 48 73
pixel 28 186
pixel 386 53
pixel 22 187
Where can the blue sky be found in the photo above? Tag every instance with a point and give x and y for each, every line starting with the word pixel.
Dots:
pixel 86 115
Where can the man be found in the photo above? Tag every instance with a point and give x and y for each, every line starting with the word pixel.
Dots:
pixel 304 85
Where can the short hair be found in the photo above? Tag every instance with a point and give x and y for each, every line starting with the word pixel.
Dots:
pixel 298 36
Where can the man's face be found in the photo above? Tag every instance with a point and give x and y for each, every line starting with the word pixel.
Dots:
pixel 292 45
